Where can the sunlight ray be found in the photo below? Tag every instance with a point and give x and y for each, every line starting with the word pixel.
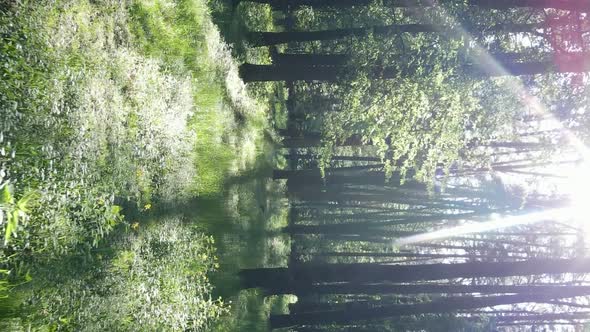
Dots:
pixel 480 227
pixel 580 182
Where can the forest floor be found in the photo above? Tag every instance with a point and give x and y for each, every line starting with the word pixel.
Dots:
pixel 126 140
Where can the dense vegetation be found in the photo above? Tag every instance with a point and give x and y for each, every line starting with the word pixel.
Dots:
pixel 113 113
pixel 431 149
pixel 350 165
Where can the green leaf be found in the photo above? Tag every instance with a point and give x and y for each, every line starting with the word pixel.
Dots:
pixel 6 195
pixel 115 209
pixel 23 202
pixel 11 224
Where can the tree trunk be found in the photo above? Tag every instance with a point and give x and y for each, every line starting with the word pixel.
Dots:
pixel 308 274
pixel 375 289
pixel 547 317
pixel 574 5
pixel 283 4
pixel 258 38
pixel 375 225
pixel 302 181
pixel 334 158
pixel 446 305
pixel 349 170
pixel 265 73
pixel 314 139
pixel 414 255
pixel 517 145
pixel 310 59
pixel 346 229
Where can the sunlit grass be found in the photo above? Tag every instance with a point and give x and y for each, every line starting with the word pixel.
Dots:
pixel 153 279
pixel 139 106
pixel 227 123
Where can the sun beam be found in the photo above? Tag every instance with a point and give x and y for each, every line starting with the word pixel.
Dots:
pixel 496 222
pixel 577 186
pixel 578 189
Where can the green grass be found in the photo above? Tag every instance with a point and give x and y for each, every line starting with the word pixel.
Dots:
pixel 227 122
pixel 230 145
pixel 106 104
pixel 151 279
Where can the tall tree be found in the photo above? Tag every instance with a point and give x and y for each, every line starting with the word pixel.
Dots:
pixel 257 73
pixel 308 274
pixel 273 38
pixel 444 305
pixel 283 4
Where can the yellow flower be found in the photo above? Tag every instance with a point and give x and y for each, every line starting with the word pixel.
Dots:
pixel 135 225
pixel 147 206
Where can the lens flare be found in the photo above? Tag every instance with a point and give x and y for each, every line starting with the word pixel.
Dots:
pixel 480 227
pixel 579 188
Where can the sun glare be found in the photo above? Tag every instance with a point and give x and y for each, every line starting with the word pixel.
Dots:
pixel 577 188
pixel 496 222
pixel 577 185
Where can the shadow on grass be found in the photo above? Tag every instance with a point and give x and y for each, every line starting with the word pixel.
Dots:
pixel 245 219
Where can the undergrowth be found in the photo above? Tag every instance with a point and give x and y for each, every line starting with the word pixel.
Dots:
pixel 227 122
pixel 110 109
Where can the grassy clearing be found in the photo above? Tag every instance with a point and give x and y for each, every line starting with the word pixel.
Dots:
pixel 228 123
pixel 113 108
pixel 248 227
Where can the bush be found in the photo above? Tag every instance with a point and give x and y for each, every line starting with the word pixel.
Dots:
pixel 152 280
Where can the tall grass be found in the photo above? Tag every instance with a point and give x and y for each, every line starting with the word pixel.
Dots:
pixel 228 123
pixel 152 279
pixel 109 103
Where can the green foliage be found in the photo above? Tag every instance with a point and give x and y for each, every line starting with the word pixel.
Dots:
pixel 408 112
pixel 434 111
pixel 11 211
pixel 226 123
pixel 73 135
pixel 172 32
pixel 156 280
pixel 107 109
pixel 4 284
